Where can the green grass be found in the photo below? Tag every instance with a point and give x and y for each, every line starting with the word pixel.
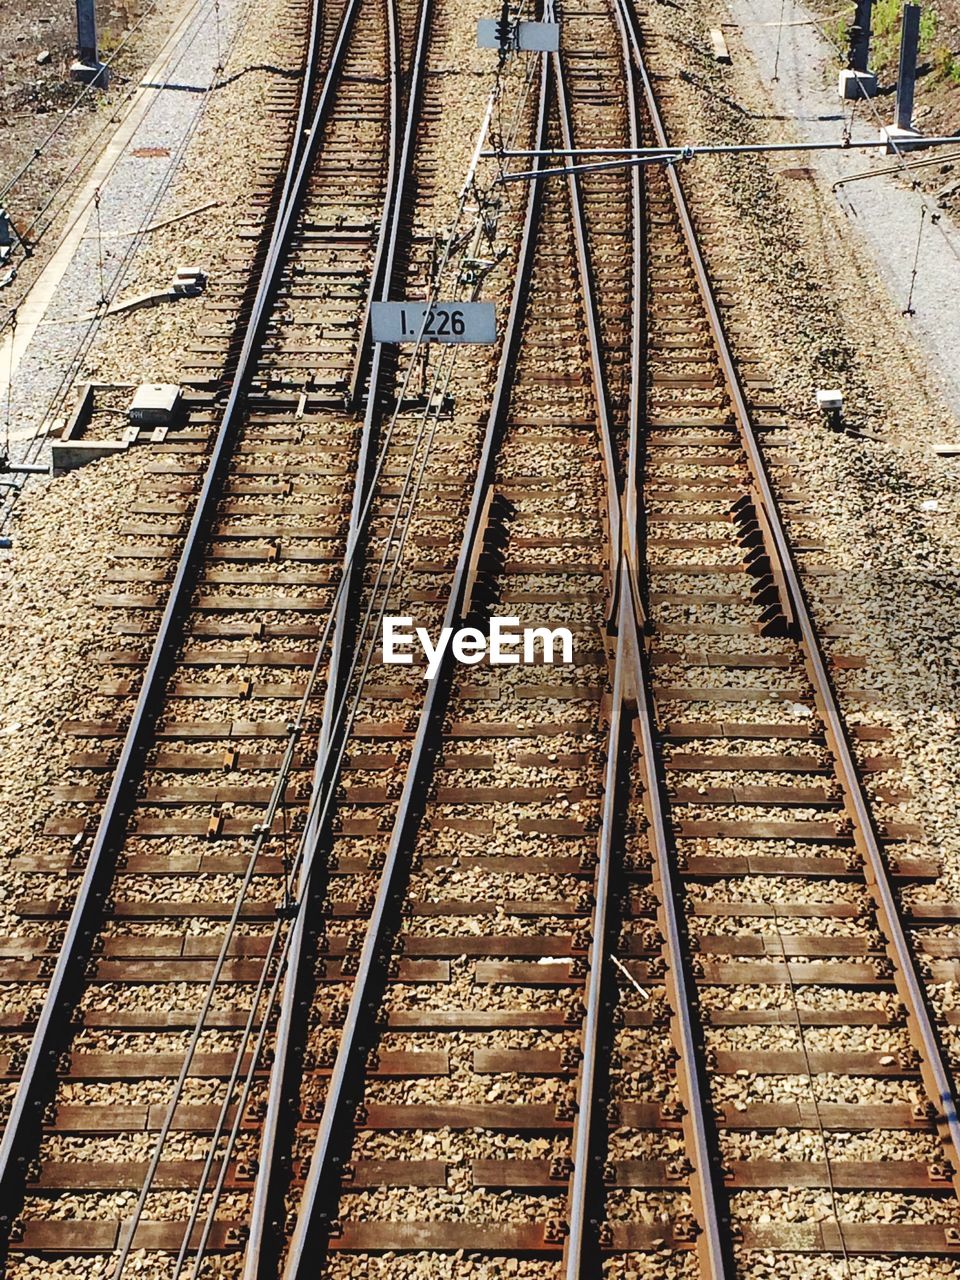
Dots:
pixel 886 32
pixel 946 65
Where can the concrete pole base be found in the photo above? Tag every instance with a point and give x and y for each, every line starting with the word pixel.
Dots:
pixel 96 73
pixel 898 139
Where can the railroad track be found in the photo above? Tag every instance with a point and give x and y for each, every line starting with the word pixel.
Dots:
pixel 236 529
pixel 804 993
pixel 544 518
pixel 546 966
pixel 156 1018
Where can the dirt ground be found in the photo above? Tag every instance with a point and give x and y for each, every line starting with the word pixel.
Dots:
pixel 37 46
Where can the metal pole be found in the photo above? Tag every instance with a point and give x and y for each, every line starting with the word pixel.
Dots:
pixel 692 152
pixel 860 37
pixel 909 44
pixel 87 33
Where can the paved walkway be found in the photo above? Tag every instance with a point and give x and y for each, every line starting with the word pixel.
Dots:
pixel 883 213
pixel 59 318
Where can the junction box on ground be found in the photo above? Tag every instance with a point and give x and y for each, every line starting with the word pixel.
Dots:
pixel 155 404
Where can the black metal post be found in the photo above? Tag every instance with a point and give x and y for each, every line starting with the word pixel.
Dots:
pixel 860 36
pixel 87 33
pixel 906 79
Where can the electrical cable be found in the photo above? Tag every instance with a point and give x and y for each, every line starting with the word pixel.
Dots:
pixel 908 309
pixel 776 60
pixel 103 286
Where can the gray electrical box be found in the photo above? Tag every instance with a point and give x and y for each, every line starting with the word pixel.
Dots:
pixel 188 282
pixel 155 404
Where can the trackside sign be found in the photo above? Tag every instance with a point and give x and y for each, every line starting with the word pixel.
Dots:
pixel 441 322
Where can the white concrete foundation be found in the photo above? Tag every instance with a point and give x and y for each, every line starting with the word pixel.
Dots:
pixel 898 139
pixel 853 85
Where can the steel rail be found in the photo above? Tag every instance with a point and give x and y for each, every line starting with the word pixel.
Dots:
pixel 614 515
pixel 582 1179
pixel 327 769
pixel 53 1021
pixel 907 979
pixel 318 1196
pixel 311 71
pixel 629 683
pixel 633 508
pixel 714 1244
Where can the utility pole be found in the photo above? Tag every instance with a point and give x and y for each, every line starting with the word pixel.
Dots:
pixel 901 134
pixel 88 68
pixel 860 36
pixel 907 75
pixel 858 81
